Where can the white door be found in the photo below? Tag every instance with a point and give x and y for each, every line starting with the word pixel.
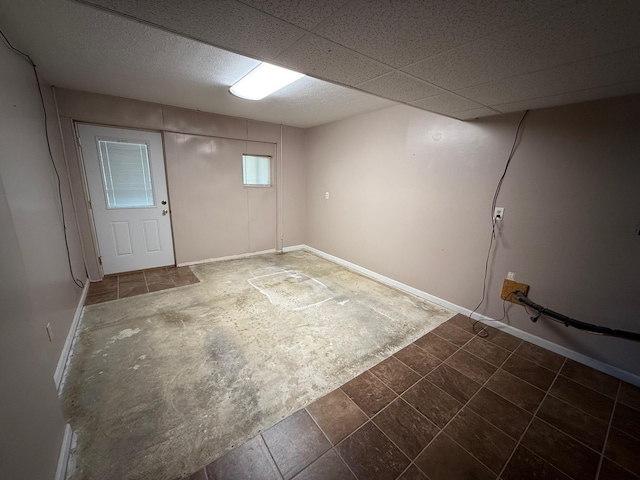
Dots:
pixel 128 194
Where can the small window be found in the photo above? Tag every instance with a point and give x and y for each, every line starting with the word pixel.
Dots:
pixel 256 171
pixel 126 174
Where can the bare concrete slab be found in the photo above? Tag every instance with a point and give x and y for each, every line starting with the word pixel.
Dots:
pixel 162 384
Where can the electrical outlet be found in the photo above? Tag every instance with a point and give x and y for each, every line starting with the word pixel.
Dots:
pixel 498 214
pixel 326 195
pixel 511 276
pixel 49 332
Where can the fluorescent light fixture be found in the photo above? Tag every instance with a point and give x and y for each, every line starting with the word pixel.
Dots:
pixel 263 80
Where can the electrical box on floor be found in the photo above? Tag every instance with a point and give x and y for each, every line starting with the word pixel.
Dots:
pixel 509 287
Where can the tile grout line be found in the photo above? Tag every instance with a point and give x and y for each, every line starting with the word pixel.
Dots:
pixel 533 417
pixel 270 454
pixel 466 404
pixel 333 447
pixel 609 427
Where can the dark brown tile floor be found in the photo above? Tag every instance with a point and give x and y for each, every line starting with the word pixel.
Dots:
pixel 454 405
pixel 123 285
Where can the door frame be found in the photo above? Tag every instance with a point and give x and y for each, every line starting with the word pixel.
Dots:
pixel 85 185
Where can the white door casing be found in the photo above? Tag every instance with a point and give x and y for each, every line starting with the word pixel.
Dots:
pixel 127 187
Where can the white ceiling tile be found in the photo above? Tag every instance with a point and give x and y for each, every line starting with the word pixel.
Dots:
pixel 223 23
pixel 303 13
pixel 399 33
pixel 568 34
pixel 323 59
pixel 573 97
pixel 446 103
pixel 474 113
pixel 595 72
pixel 397 86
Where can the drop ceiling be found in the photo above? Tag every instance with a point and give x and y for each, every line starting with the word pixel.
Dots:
pixel 465 59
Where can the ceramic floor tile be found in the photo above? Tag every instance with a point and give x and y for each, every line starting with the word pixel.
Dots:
pixel 573 422
pixel 487 351
pixel 582 397
pixel 328 467
pixel 611 471
pixel 484 441
pixel 101 297
pixel 419 360
pixel 629 395
pixel 471 366
pixel 432 402
pixel 463 322
pixel 436 346
pixel 452 334
pixel 337 415
pixel 526 464
pixel 587 376
pixel 541 356
pixel 371 455
pixel 627 419
pixel 500 412
pixel 412 473
pixel 504 340
pixel 135 277
pixel 564 453
pixel 529 372
pixel 517 391
pixel 250 460
pixel 295 442
pixel 444 459
pixel 131 289
pixel 107 284
pixel 395 374
pixel 453 382
pixel 623 449
pixel 408 429
pixel 369 393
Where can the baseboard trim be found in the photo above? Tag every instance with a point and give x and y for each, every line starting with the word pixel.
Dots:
pixel 222 259
pixel 541 342
pixel 66 349
pixel 65 449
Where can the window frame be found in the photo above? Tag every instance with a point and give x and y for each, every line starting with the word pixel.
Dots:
pixel 256 185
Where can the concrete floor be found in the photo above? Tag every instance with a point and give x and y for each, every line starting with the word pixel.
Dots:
pixel 162 384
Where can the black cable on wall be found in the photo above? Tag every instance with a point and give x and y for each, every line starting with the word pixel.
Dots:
pixel 9 45
pixel 514 146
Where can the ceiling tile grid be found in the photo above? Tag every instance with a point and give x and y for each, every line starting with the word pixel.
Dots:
pixel 399 86
pixel 447 103
pixel 572 33
pixel 455 57
pixel 224 23
pixel 323 59
pixel 303 13
pixel 399 33
pixel 620 67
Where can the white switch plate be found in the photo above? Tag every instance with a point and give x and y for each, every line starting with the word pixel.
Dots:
pixel 511 276
pixel 326 195
pixel 498 213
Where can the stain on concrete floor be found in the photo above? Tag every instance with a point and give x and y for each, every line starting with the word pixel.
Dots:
pixel 162 384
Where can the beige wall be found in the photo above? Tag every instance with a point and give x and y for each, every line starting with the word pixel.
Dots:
pixel 36 287
pixel 410 195
pixel 190 243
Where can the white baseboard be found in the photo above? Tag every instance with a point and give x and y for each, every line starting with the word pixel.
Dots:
pixel 230 257
pixel 64 355
pixel 554 347
pixel 65 449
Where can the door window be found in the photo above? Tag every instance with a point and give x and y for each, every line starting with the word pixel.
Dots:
pixel 126 174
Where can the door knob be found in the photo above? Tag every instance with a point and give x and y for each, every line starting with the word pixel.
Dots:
pixel 164 212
